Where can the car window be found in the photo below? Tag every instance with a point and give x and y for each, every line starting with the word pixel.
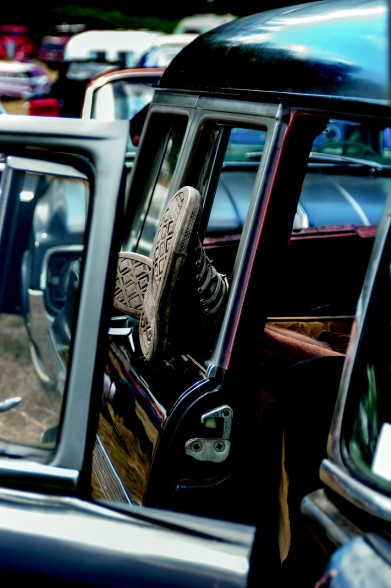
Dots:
pixel 122 99
pixel 347 183
pixel 367 424
pixel 160 56
pixel 43 211
pixel 165 144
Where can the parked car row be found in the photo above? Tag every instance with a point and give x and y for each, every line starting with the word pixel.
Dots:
pixel 78 57
pixel 87 58
pixel 204 317
pixel 23 80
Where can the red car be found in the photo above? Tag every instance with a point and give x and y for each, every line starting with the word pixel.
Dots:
pixel 51 49
pixel 15 42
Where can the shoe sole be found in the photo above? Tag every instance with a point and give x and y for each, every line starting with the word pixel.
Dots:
pixel 133 275
pixel 169 255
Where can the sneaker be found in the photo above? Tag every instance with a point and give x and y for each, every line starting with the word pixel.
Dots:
pixel 170 250
pixel 186 295
pixel 133 274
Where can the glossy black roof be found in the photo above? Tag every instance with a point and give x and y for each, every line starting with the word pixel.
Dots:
pixel 335 49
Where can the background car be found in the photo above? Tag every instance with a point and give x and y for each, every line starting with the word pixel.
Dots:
pixel 201 23
pixel 113 46
pixel 164 49
pixel 120 95
pixel 23 79
pixel 15 42
pixel 51 49
pixel 91 53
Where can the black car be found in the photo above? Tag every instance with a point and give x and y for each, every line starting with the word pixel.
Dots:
pixel 221 416
pixel 348 178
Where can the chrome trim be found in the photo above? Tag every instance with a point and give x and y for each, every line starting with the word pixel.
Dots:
pixel 46 258
pixel 322 511
pixel 355 492
pixel 141 545
pixel 30 474
pixel 110 483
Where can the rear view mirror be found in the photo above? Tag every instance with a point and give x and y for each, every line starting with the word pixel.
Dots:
pixel 137 125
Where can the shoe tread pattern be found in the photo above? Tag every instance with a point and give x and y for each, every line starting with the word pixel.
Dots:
pixel 133 275
pixel 174 232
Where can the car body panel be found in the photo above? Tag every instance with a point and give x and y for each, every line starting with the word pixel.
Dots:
pixel 110 549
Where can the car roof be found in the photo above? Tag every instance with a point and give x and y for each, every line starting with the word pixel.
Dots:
pixel 325 50
pixel 82 45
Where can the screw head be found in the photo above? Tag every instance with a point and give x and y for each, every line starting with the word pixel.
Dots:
pixel 196 446
pixel 219 445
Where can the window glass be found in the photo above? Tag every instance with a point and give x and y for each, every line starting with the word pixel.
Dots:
pixel 236 180
pixel 121 100
pixel 347 182
pixel 165 144
pixel 43 210
pixel 368 428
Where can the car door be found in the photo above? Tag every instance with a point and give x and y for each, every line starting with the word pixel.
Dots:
pixel 52 531
pixel 351 512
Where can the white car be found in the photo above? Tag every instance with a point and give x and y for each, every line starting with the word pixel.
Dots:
pixel 110 46
pixel 23 80
pixel 164 49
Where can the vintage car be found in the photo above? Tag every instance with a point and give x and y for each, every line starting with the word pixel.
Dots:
pixel 16 42
pixel 220 413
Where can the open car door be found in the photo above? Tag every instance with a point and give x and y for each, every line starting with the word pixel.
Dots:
pixel 61 204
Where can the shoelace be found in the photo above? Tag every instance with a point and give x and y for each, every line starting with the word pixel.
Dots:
pixel 212 286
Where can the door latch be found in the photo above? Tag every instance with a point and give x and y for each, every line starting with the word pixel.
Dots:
pixel 212 449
